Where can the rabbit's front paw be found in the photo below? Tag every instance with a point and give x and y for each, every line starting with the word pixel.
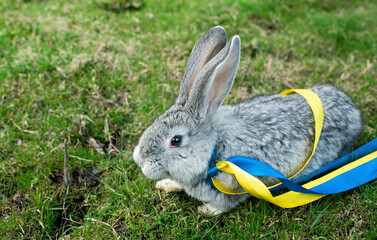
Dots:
pixel 168 185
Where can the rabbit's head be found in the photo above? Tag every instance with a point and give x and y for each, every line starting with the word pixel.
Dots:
pixel 179 143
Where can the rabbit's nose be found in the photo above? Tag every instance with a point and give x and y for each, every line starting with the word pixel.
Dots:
pixel 136 155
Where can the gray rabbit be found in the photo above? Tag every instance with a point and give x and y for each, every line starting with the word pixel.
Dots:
pixel 278 130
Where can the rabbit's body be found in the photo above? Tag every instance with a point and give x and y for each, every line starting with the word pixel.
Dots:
pixel 278 130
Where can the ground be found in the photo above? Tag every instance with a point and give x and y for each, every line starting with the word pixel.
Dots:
pixel 96 73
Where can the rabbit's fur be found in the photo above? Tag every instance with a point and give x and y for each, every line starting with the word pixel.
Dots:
pixel 274 129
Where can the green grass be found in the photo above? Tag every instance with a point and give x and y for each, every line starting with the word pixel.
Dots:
pixel 78 70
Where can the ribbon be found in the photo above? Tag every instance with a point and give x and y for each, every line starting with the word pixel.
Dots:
pixel 349 176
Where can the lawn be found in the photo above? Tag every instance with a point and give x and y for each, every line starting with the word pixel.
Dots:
pixel 97 73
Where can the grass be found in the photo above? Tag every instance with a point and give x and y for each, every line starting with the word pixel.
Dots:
pixel 79 71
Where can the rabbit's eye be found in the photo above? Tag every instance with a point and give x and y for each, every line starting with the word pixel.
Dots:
pixel 176 141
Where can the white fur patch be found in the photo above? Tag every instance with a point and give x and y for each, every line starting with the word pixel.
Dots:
pixel 168 185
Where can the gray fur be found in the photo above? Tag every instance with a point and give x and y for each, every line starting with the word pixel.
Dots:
pixel 274 129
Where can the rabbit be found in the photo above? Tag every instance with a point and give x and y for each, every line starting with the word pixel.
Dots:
pixel 277 130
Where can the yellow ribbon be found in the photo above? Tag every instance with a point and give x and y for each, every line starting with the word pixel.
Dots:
pixel 317 109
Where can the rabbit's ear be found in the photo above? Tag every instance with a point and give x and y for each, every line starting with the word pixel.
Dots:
pixel 215 80
pixel 204 50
